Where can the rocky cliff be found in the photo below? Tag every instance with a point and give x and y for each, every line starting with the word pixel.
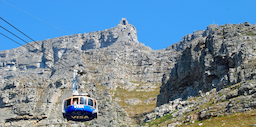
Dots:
pixel 223 58
pixel 214 76
pixel 36 77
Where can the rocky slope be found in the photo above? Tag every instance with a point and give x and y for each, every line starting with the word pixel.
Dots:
pixel 223 58
pixel 214 75
pixel 35 78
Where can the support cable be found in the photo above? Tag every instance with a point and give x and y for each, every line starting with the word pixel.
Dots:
pixel 36 17
pixel 12 34
pixel 11 39
pixel 17 29
pixel 27 43
pixel 28 37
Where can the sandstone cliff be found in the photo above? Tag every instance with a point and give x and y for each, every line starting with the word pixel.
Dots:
pixel 223 58
pixel 214 76
pixel 35 78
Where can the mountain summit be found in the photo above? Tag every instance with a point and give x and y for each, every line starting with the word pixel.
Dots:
pixel 216 65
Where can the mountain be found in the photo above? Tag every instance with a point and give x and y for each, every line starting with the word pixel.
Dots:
pixel 124 75
pixel 214 76
pixel 36 77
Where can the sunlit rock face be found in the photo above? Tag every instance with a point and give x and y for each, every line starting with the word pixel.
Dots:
pixel 216 58
pixel 37 77
pixel 214 75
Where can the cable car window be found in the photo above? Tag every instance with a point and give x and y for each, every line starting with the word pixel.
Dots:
pixel 90 102
pixel 75 101
pixel 68 102
pixel 83 100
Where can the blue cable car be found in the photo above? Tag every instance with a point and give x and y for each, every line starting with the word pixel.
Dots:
pixel 79 107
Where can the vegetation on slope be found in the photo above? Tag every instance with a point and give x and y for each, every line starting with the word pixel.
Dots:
pixel 234 120
pixel 137 111
pixel 217 108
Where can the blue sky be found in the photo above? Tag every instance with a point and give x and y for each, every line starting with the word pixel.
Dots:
pixel 159 23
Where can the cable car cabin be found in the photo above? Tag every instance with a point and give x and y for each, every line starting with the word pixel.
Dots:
pixel 80 108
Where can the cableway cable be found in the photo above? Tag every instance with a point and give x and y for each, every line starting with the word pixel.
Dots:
pixel 11 39
pixel 29 38
pixel 37 17
pixel 12 34
pixel 28 44
pixel 27 47
pixel 17 29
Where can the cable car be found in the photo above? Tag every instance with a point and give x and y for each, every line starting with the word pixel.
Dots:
pixel 79 107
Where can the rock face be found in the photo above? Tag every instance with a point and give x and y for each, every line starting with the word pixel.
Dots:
pixel 223 58
pixel 37 77
pixel 216 72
